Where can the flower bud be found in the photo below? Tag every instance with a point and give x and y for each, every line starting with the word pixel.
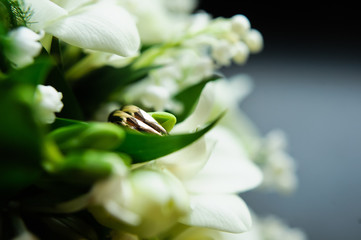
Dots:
pixel 254 41
pixel 241 53
pixel 240 24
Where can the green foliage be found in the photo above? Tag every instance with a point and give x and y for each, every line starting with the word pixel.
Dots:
pixel 189 97
pixel 21 137
pixel 43 165
pixel 33 74
pixel 146 147
pixel 102 136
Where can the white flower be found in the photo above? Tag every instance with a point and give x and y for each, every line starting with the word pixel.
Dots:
pixel 144 201
pixel 22 46
pixel 213 173
pixel 254 41
pixel 196 186
pixel 154 21
pixel 240 24
pixel 241 53
pixel 274 228
pixel 48 101
pixel 102 26
pixel 230 93
pixel 278 166
pixel 222 52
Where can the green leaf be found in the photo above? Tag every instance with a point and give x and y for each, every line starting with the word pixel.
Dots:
pixel 189 97
pixel 146 147
pixel 103 136
pixel 33 74
pixel 71 109
pixel 97 87
pixel 21 137
pixel 88 166
pixel 63 122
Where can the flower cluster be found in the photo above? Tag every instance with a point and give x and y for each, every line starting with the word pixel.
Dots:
pixel 117 123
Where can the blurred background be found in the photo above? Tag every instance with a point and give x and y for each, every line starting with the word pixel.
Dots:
pixel 307 82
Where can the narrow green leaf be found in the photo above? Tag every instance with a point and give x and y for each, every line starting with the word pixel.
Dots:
pixel 146 147
pixel 63 122
pixel 95 135
pixel 189 97
pixel 71 107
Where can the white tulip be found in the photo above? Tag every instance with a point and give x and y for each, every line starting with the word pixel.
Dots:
pixel 102 26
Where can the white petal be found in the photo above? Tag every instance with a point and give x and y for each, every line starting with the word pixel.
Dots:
pixel 43 12
pixel 70 5
pixel 228 170
pixel 103 27
pixel 186 162
pixel 222 212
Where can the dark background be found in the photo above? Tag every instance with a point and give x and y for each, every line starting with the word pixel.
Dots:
pixel 308 83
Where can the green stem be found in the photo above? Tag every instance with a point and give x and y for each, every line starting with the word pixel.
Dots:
pixel 148 57
pixel 81 68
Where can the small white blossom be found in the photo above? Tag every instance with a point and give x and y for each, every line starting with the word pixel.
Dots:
pixel 48 101
pixel 198 22
pixel 240 24
pixel 274 228
pixel 241 53
pixel 254 41
pixel 156 97
pixel 222 52
pixel 279 168
pixel 22 46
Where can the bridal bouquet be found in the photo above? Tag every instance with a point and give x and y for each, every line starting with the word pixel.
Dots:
pixel 116 123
